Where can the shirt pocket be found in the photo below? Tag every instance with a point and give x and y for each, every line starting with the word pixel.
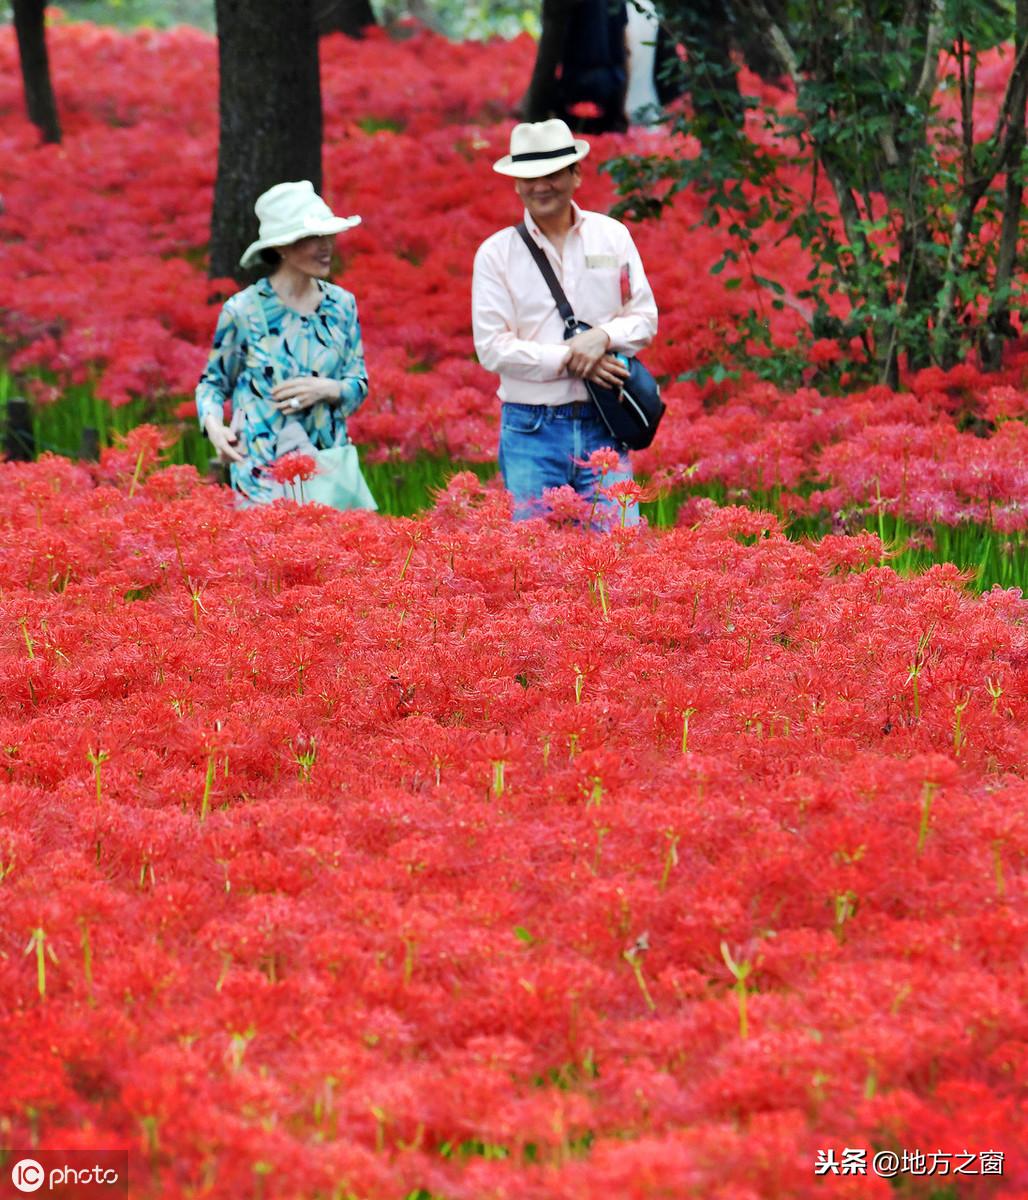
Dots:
pixel 600 292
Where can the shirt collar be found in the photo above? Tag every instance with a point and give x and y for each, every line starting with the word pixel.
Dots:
pixel 577 217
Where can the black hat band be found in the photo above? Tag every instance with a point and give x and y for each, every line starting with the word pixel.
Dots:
pixel 538 154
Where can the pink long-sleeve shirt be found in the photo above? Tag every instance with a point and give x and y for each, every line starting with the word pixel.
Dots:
pixel 518 331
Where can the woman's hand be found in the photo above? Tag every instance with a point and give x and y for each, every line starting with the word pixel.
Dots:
pixel 224 440
pixel 303 391
pixel 609 372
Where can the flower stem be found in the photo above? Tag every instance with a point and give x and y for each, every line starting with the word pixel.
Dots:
pixel 633 956
pixel 670 858
pixel 498 765
pixel 135 474
pixel 686 714
pixel 87 956
pixel 207 785
pixel 740 972
pixel 98 758
pixel 601 588
pixel 37 942
pixel 24 622
pixel 927 794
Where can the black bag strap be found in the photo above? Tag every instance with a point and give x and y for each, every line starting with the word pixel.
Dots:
pixel 553 283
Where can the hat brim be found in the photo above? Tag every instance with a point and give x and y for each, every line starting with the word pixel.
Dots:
pixel 252 254
pixel 536 168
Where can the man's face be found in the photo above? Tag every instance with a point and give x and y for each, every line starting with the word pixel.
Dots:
pixel 549 195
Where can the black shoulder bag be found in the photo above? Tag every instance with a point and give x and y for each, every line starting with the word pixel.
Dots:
pixel 631 412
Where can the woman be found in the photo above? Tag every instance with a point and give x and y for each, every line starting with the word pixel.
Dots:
pixel 287 351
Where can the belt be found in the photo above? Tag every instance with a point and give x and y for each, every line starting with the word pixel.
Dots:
pixel 577 410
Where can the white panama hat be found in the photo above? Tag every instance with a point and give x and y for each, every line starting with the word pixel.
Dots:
pixel 540 149
pixel 291 211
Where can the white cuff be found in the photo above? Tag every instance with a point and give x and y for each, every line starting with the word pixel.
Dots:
pixel 552 359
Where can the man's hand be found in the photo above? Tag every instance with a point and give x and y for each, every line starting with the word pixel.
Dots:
pixel 303 391
pixel 585 352
pixel 224 441
pixel 608 372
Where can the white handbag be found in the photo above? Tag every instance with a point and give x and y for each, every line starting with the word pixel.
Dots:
pixel 339 482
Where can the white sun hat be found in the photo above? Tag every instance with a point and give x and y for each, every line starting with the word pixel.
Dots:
pixel 291 211
pixel 540 149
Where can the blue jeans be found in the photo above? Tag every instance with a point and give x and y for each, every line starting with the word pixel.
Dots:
pixel 538 448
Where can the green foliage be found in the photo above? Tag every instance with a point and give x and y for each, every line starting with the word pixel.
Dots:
pixel 128 14
pixel 990 557
pixel 477 19
pixel 903 213
pixel 405 488
pixel 61 427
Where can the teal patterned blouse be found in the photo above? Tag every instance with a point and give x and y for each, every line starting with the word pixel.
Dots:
pixel 326 343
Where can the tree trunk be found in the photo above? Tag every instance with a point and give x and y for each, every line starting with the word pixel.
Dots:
pixel 540 100
pixel 351 17
pixel 706 28
pixel 270 109
pixel 999 326
pixel 30 28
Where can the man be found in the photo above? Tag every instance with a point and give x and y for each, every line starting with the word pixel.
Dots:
pixel 549 425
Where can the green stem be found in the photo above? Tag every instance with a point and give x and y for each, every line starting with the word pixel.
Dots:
pixel 632 957
pixel 37 942
pixel 207 785
pixel 498 765
pixel 670 858
pixel 24 622
pixel 686 714
pixel 98 758
pixel 927 794
pixel 601 588
pixel 135 474
pixel 87 956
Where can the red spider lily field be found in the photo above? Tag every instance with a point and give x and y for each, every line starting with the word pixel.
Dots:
pixel 363 857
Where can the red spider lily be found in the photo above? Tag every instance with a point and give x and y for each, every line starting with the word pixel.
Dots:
pixel 585 109
pixel 602 461
pixel 135 455
pixel 564 506
pixel 293 468
pixel 627 491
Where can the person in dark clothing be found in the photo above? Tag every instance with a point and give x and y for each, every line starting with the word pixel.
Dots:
pixel 594 67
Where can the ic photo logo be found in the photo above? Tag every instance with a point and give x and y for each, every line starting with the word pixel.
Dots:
pixel 28 1175
pixel 82 1174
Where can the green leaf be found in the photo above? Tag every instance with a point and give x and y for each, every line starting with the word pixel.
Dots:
pixel 140 593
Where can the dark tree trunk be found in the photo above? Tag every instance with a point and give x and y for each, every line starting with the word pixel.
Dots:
pixel 999 325
pixel 30 29
pixel 707 28
pixel 540 100
pixel 351 17
pixel 270 107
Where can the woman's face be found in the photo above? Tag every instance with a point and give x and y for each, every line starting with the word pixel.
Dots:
pixel 310 255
